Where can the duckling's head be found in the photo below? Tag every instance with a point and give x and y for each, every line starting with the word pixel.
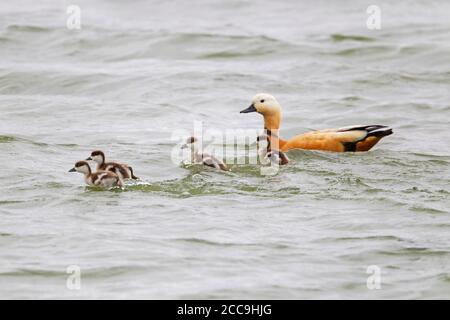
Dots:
pixel 277 157
pixel 191 141
pixel 264 104
pixel 81 167
pixel 97 156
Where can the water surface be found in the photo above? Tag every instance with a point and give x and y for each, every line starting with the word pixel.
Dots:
pixel 139 70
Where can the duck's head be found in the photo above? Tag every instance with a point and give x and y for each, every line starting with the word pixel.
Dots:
pixel 269 107
pixel 81 167
pixel 264 104
pixel 97 156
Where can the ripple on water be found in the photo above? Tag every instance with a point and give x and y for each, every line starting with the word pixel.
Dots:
pixel 4 234
pixel 27 28
pixel 344 37
pixel 87 273
pixel 7 139
pixel 366 51
pixel 427 209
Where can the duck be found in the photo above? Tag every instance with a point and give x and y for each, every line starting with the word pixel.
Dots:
pixel 277 157
pixel 199 156
pixel 122 170
pixel 264 150
pixel 101 178
pixel 346 139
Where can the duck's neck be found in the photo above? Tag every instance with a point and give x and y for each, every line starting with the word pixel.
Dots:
pixel 275 143
pixel 272 126
pixel 272 121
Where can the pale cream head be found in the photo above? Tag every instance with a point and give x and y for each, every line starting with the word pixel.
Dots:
pixel 269 107
pixel 266 104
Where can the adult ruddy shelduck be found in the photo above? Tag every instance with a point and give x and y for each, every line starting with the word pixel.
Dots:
pixel 353 138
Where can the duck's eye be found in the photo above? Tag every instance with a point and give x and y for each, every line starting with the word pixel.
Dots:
pixel 262 101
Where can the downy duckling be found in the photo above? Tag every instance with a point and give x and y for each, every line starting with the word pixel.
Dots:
pixel 122 170
pixel 277 157
pixel 262 145
pixel 105 179
pixel 198 156
pixel 264 150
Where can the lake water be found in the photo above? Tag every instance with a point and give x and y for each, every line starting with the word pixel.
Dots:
pixel 138 71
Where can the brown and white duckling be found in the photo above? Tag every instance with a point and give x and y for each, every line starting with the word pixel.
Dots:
pixel 264 150
pixel 105 179
pixel 122 170
pixel 198 156
pixel 279 157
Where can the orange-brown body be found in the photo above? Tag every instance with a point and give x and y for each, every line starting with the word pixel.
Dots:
pixel 330 141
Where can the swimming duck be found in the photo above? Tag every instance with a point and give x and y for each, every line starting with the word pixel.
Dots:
pixel 198 156
pixel 277 157
pixel 122 170
pixel 353 138
pixel 264 150
pixel 105 179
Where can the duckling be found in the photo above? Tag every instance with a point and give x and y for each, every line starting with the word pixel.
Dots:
pixel 353 138
pixel 122 170
pixel 105 179
pixel 262 145
pixel 198 156
pixel 264 150
pixel 277 157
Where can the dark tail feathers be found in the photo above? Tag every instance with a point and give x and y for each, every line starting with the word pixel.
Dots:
pixel 374 130
pixel 381 132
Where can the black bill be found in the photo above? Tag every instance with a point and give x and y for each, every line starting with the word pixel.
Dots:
pixel 249 109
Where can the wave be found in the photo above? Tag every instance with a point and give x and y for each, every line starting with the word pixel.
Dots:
pixel 87 273
pixel 117 45
pixel 343 37
pixel 28 28
pixel 8 139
